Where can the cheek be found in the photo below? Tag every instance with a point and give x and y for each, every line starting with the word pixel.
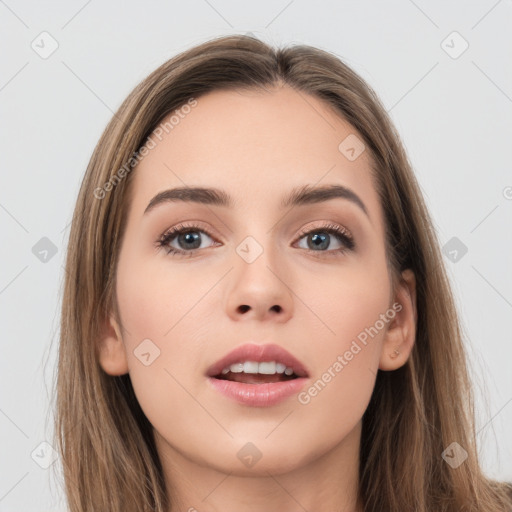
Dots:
pixel 157 304
pixel 352 306
pixel 352 299
pixel 160 317
pixel 172 308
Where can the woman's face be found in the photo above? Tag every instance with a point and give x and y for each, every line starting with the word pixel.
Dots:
pixel 248 272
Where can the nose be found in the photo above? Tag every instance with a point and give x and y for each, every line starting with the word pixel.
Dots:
pixel 259 291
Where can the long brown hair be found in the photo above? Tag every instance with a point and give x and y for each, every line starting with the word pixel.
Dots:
pixel 106 443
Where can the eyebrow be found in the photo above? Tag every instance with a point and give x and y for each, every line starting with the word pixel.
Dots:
pixel 296 197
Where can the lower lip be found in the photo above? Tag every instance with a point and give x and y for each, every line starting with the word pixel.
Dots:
pixel 258 395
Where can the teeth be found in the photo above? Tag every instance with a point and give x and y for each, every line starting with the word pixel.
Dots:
pixel 280 367
pixel 237 368
pixel 265 368
pixel 250 367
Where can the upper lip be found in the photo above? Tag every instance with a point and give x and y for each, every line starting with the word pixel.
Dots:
pixel 258 353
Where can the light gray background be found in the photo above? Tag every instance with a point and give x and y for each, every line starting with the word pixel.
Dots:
pixel 454 115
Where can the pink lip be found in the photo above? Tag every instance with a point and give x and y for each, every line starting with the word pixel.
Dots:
pixel 258 395
pixel 258 353
pixel 264 394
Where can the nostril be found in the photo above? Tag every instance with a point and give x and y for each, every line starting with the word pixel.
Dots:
pixel 244 308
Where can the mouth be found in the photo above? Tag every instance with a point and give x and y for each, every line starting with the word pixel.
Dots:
pixel 253 372
pixel 258 375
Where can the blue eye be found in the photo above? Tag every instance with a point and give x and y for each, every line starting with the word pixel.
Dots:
pixel 186 236
pixel 322 237
pixel 189 238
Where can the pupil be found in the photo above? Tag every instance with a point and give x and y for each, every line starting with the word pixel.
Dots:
pixel 318 240
pixel 191 237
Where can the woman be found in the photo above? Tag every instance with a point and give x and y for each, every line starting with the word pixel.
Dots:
pixel 256 315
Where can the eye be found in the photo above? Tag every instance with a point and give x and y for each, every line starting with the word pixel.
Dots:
pixel 187 237
pixel 321 238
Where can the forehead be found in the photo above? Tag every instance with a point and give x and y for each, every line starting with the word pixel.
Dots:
pixel 256 144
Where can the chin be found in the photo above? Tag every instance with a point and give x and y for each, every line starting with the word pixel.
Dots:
pixel 259 459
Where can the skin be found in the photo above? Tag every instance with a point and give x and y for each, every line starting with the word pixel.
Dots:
pixel 256 146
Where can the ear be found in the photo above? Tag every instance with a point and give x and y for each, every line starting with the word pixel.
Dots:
pixel 401 334
pixel 112 355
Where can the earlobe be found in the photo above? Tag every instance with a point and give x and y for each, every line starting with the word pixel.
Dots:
pixel 112 354
pixel 401 334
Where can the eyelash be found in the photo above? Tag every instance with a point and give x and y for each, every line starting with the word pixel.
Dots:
pixel 332 229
